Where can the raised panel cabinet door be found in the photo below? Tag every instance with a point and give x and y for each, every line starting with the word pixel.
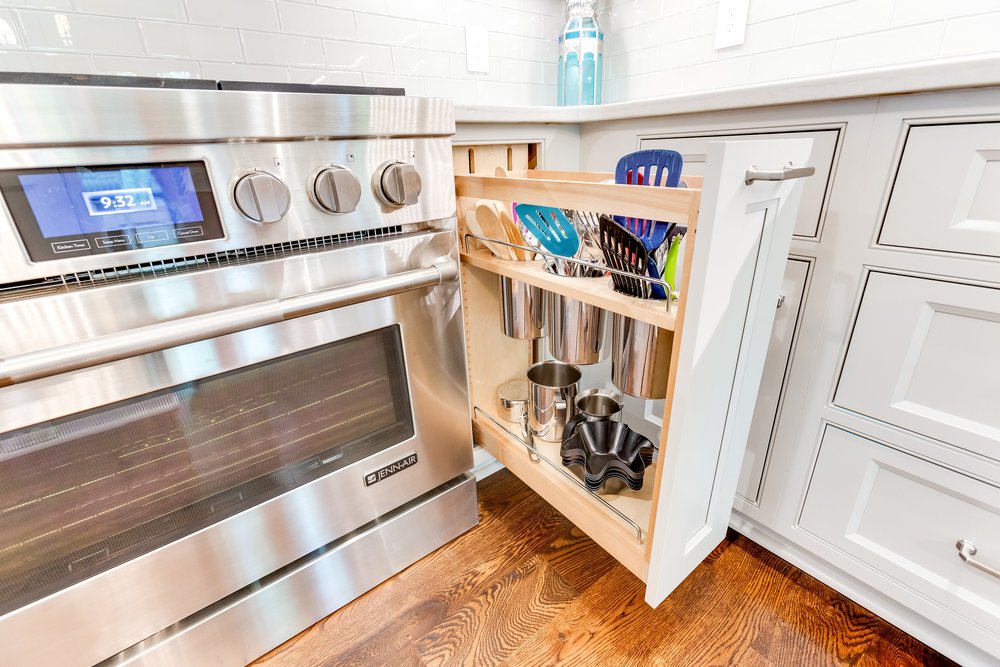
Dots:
pixel 903 517
pixel 740 250
pixel 924 356
pixel 695 151
pixel 772 382
pixel 946 195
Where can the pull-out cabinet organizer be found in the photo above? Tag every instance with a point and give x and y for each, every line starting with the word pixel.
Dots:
pixel 738 239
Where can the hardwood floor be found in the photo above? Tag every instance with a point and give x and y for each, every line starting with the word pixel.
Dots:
pixel 525 587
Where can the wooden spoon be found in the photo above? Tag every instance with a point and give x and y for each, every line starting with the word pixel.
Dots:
pixel 487 219
pixel 514 233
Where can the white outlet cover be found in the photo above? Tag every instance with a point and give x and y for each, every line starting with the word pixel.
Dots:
pixel 477 49
pixel 731 23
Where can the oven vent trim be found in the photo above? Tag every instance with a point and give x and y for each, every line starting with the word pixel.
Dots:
pixel 201 262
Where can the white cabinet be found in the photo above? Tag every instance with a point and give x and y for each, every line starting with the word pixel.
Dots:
pixel 694 150
pixel 946 195
pixel 925 356
pixel 772 382
pixel 901 517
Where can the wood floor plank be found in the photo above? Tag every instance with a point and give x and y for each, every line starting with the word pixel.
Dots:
pixel 487 630
pixel 526 587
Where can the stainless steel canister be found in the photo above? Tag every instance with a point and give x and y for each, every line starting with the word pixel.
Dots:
pixel 594 405
pixel 552 389
pixel 522 309
pixel 640 358
pixel 576 330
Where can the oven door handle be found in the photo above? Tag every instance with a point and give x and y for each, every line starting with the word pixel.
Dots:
pixel 156 337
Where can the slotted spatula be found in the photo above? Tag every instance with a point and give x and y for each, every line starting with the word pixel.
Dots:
pixel 550 227
pixel 624 251
pixel 656 167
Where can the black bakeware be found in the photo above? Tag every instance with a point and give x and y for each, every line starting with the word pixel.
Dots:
pixel 606 450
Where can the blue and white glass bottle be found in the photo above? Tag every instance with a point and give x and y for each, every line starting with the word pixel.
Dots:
pixel 581 62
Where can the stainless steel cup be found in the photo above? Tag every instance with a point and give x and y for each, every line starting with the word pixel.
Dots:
pixel 640 358
pixel 594 405
pixel 552 389
pixel 576 330
pixel 522 309
pixel 512 399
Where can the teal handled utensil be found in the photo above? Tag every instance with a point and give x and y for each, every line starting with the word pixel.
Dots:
pixel 551 228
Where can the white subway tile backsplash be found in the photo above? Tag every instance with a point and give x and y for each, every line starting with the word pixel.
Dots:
pixel 440 37
pixel 974 34
pixel 158 67
pixel 269 48
pixel 314 20
pixel 527 71
pixel 10 36
pixel 244 72
pixel 842 20
pixel 413 85
pixel 45 4
pixel 80 32
pixel 360 57
pixel 189 41
pixel 370 6
pixel 920 11
pixel 420 61
pixel 888 47
pixel 254 14
pixel 169 10
pixel 54 61
pixel 326 77
pixel 376 29
pixel 652 47
pixel 808 60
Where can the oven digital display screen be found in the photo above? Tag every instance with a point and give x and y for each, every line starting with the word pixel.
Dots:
pixel 71 211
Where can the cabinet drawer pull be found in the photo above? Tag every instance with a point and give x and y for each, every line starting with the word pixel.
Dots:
pixel 786 173
pixel 966 551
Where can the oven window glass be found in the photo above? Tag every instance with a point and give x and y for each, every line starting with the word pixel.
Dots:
pixel 90 491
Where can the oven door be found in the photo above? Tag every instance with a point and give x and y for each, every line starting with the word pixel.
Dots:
pixel 137 492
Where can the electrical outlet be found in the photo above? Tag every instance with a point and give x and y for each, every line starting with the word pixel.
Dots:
pixel 477 49
pixel 731 23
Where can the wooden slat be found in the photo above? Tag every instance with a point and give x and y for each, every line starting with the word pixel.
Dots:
pixel 579 176
pixel 577 504
pixel 596 291
pixel 678 205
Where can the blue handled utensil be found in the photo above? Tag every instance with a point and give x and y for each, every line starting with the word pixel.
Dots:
pixel 551 228
pixel 656 167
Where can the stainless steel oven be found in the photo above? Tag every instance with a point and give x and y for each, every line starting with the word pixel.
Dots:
pixel 232 382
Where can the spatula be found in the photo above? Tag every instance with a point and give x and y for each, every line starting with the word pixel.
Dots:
pixel 624 251
pixel 656 167
pixel 550 227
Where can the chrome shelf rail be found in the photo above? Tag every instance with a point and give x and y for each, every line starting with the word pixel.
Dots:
pixel 537 456
pixel 591 265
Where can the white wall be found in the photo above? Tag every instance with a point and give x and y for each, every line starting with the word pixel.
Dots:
pixel 653 47
pixel 659 47
pixel 416 44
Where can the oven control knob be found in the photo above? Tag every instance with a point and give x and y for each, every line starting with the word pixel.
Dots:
pixel 262 197
pixel 336 190
pixel 397 183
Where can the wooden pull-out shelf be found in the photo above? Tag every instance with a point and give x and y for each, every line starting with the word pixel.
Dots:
pixel 737 241
pixel 573 501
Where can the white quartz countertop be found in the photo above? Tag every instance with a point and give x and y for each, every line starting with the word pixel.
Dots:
pixel 972 72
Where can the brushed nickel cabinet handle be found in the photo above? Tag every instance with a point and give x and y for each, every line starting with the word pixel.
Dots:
pixel 786 173
pixel 966 551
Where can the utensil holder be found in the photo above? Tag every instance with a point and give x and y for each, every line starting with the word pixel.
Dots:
pixel 522 309
pixel 552 389
pixel 640 358
pixel 576 330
